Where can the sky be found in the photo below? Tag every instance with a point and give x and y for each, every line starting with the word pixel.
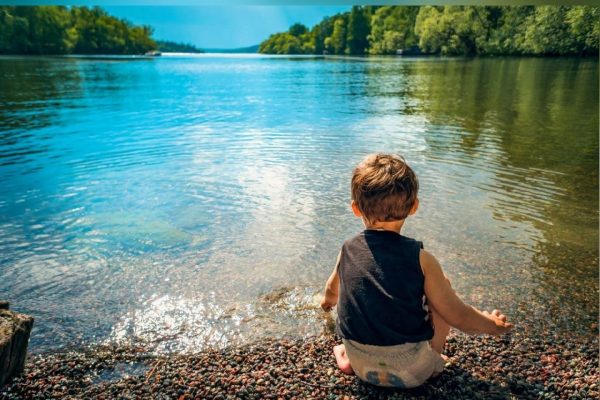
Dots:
pixel 222 26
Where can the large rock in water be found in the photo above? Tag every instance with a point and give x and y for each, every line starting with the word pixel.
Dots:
pixel 15 329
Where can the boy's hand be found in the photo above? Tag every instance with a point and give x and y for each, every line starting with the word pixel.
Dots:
pixel 499 320
pixel 327 303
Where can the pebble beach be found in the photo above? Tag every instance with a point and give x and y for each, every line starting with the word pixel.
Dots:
pixel 514 366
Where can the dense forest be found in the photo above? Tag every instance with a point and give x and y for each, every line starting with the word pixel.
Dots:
pixel 69 30
pixel 447 30
pixel 173 47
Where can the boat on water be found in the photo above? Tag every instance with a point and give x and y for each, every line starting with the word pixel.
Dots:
pixel 153 53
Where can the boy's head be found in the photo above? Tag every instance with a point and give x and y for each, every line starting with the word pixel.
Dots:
pixel 384 188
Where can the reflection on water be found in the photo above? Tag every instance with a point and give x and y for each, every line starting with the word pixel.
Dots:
pixel 186 202
pixel 184 325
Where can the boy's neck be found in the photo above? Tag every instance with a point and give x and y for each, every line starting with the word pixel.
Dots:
pixel 394 226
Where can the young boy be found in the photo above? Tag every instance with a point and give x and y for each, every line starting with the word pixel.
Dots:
pixel 395 305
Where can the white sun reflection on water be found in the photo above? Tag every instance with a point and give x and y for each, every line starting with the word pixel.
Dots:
pixel 168 324
pixel 178 324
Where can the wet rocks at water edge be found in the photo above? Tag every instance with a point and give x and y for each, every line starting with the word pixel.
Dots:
pixel 511 367
pixel 15 329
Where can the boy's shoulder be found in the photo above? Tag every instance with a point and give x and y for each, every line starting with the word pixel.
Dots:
pixel 382 236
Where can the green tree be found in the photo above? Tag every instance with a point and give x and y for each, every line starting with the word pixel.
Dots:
pixel 101 33
pixel 60 30
pixel 392 28
pixel 297 30
pixel 507 33
pixel 281 43
pixel 174 47
pixel 321 32
pixel 13 31
pixel 358 30
pixel 547 32
pixel 584 26
pixel 451 30
pixel 448 30
pixel 37 30
pixel 337 40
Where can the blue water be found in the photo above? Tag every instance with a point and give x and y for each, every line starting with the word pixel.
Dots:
pixel 191 201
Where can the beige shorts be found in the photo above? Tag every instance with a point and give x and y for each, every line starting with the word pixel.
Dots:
pixel 404 366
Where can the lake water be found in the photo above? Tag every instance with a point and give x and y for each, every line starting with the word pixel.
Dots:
pixel 190 201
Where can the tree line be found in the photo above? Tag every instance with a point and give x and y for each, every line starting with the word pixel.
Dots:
pixel 446 30
pixel 174 47
pixel 69 30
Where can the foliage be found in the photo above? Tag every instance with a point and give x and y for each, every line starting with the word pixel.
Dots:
pixel 337 41
pixel 62 30
pixel 281 43
pixel 447 30
pixel 392 28
pixel 450 29
pixel 174 47
pixel 321 32
pixel 297 30
pixel 584 26
pixel 358 30
pixel 556 30
pixel 506 30
pixel 295 41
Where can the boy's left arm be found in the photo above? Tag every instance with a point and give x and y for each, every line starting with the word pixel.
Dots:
pixel 332 287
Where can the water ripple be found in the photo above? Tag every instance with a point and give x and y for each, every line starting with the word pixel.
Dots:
pixel 187 202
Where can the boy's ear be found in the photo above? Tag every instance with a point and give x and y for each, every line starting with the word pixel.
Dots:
pixel 355 209
pixel 415 207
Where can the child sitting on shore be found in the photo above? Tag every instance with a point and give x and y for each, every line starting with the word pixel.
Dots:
pixel 395 305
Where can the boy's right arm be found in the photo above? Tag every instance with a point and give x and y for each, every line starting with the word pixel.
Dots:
pixel 451 308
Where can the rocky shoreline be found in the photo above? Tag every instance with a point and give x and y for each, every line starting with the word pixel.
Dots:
pixel 509 367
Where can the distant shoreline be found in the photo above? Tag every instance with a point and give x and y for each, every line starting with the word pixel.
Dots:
pixel 323 56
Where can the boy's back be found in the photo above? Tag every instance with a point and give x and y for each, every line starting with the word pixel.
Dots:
pixel 381 297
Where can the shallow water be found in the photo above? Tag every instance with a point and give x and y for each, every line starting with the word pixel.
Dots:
pixel 192 201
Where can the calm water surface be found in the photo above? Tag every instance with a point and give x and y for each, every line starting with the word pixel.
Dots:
pixel 184 202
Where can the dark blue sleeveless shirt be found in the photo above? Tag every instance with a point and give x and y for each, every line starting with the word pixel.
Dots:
pixel 382 297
